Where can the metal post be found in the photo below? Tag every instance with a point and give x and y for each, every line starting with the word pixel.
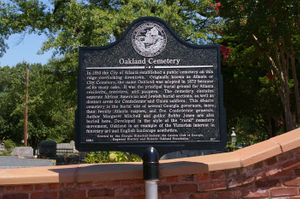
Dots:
pixel 151 172
pixel 151 190
pixel 26 109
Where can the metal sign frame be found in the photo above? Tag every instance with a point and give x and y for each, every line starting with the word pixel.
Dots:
pixel 161 147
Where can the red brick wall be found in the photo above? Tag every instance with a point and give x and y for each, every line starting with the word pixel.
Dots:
pixel 276 177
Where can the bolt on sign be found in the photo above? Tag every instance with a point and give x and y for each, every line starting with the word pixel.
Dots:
pixel 150 88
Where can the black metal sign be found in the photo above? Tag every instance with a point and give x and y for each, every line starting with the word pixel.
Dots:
pixel 150 88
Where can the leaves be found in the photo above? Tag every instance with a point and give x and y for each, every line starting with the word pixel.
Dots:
pixel 70 24
pixel 256 32
pixel 51 104
pixel 111 156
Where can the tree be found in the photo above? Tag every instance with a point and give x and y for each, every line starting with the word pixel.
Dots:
pixel 68 25
pixel 11 95
pixel 51 104
pixel 271 27
pixel 250 97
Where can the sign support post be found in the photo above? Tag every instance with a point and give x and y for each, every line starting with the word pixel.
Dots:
pixel 150 93
pixel 151 172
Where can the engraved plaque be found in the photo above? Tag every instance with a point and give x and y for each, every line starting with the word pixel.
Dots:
pixel 150 88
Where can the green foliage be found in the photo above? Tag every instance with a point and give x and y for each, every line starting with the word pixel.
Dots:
pixel 252 99
pixel 231 147
pixel 51 103
pixel 70 24
pixel 111 156
pixel 257 101
pixel 264 36
pixel 9 145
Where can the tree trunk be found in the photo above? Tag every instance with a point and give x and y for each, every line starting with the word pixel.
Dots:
pixel 296 88
pixel 291 56
pixel 281 69
pixel 289 121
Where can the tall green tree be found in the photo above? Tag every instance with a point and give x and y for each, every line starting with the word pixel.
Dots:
pixel 272 28
pixel 68 25
pixel 51 104
pixel 251 99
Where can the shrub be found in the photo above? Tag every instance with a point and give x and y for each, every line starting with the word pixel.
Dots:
pixel 9 145
pixel 111 156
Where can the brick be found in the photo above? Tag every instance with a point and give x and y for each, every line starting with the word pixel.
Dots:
pixel 296 152
pixel 255 193
pixel 15 196
pixel 228 194
pixel 2 189
pixel 27 187
pixel 297 172
pixel 175 196
pixel 128 191
pixel 132 182
pixel 273 171
pixel 99 184
pixel 292 182
pixel 290 164
pixel 72 194
pixel 172 179
pixel 178 188
pixel 200 196
pixel 69 185
pixel 267 183
pixel 283 192
pixel 113 183
pixel 101 192
pixel 247 180
pixel 186 178
pixel 200 177
pixel 84 184
pixel 164 189
pixel 234 182
pixel 54 186
pixel 271 161
pixel 284 174
pixel 258 165
pixel 295 197
pixel 139 197
pixel 261 173
pixel 248 170
pixel 232 173
pixel 218 175
pixel 39 187
pixel 44 195
pixel 113 197
pixel 285 156
pixel 13 188
pixel 239 180
pixel 214 185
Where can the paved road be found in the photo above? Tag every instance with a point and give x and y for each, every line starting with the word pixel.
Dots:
pixel 10 162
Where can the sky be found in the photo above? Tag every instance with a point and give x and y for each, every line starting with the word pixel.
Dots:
pixel 26 50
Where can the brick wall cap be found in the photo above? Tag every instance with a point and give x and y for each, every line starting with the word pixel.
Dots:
pixel 199 164
pixel 183 166
pixel 106 172
pixel 258 152
pixel 288 141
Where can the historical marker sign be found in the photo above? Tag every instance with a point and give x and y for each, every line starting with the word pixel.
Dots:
pixel 150 88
